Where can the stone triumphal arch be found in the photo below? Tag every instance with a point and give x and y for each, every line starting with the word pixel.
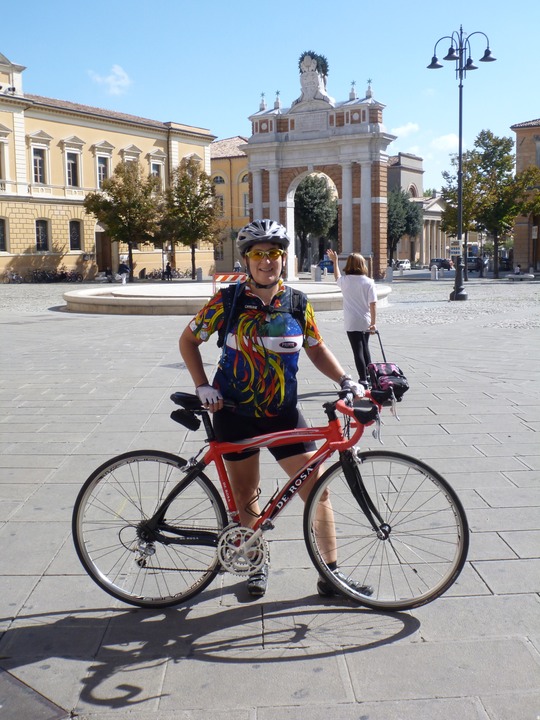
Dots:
pixel 344 140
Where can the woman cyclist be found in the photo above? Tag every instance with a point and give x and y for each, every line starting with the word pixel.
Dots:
pixel 262 339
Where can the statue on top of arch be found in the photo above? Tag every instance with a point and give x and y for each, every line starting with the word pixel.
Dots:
pixel 313 74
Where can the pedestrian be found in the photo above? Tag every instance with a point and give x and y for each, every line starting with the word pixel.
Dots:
pixel 517 270
pixel 262 340
pixel 168 271
pixel 109 275
pixel 482 270
pixel 480 266
pixel 359 308
pixel 237 267
pixel 123 271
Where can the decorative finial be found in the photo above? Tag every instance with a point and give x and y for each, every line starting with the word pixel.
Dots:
pixel 352 93
pixel 369 92
pixel 262 105
pixel 277 101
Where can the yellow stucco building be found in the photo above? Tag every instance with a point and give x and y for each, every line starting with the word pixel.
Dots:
pixel 52 154
pixel 526 242
pixel 231 182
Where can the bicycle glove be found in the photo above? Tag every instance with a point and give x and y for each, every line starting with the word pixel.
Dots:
pixel 208 395
pixel 355 388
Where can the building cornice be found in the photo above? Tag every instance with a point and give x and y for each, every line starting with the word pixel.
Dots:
pixel 66 108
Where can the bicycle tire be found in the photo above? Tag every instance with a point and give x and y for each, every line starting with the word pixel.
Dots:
pixel 113 501
pixel 425 550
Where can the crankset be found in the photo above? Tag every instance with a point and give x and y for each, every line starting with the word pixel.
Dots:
pixel 242 551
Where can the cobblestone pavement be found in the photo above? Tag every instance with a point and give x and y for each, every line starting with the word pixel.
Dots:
pixel 77 389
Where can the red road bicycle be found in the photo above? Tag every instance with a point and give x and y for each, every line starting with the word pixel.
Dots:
pixel 153 530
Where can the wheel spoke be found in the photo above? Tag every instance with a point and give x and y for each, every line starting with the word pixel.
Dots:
pixel 138 567
pixel 428 537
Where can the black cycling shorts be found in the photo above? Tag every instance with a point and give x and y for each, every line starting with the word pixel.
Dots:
pixel 231 427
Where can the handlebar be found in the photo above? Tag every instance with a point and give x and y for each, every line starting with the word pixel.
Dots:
pixel 365 410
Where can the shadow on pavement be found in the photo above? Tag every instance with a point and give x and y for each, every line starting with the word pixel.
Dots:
pixel 120 641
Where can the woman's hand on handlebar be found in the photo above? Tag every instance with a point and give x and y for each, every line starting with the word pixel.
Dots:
pixel 350 386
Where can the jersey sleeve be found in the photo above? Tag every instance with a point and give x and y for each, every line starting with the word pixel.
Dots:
pixel 312 335
pixel 209 318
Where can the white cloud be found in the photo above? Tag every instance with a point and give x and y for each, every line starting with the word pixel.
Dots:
pixel 446 143
pixel 405 130
pixel 413 150
pixel 116 82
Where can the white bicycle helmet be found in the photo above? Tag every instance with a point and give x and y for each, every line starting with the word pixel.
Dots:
pixel 261 231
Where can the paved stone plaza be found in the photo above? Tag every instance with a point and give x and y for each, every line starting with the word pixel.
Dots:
pixel 77 389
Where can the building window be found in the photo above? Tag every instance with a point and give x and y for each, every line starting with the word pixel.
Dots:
pixel 42 235
pixel 75 235
pixel 156 169
pixel 72 169
pixel 220 204
pixel 245 178
pixel 39 165
pixel 218 251
pixel 218 180
pixel 102 169
pixel 245 204
pixel 3 236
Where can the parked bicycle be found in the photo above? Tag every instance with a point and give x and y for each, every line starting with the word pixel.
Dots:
pixel 152 529
pixel 11 276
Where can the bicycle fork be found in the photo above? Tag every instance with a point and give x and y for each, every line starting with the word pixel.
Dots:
pixel 361 495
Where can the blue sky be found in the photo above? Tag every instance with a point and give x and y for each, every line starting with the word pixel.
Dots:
pixel 206 64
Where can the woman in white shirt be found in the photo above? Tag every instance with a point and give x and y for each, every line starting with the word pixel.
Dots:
pixel 359 308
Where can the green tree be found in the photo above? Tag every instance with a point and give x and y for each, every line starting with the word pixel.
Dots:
pixel 414 219
pixel 471 200
pixel 504 195
pixel 404 218
pixel 315 211
pixel 191 214
pixel 127 205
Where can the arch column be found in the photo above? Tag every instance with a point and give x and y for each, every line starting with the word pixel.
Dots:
pixel 257 194
pixel 274 194
pixel 346 209
pixel 366 239
pixel 289 224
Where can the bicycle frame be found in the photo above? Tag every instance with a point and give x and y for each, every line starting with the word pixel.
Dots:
pixel 334 440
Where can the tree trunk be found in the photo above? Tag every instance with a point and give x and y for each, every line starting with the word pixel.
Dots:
pixel 130 261
pixel 193 268
pixel 303 251
pixel 496 256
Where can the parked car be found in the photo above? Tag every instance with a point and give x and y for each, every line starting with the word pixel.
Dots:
pixel 326 263
pixel 441 263
pixel 403 265
pixel 472 263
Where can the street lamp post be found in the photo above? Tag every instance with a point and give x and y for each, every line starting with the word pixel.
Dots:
pixel 460 52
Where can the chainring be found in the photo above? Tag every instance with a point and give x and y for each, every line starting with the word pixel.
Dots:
pixel 234 557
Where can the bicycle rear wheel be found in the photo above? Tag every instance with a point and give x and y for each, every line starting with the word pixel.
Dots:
pixel 425 538
pixel 108 529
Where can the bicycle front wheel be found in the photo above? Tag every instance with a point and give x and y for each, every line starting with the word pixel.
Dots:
pixel 419 549
pixel 108 525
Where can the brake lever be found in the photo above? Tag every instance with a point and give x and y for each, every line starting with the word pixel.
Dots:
pixel 377 429
pixel 393 407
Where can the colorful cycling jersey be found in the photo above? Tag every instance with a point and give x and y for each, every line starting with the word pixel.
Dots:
pixel 259 361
